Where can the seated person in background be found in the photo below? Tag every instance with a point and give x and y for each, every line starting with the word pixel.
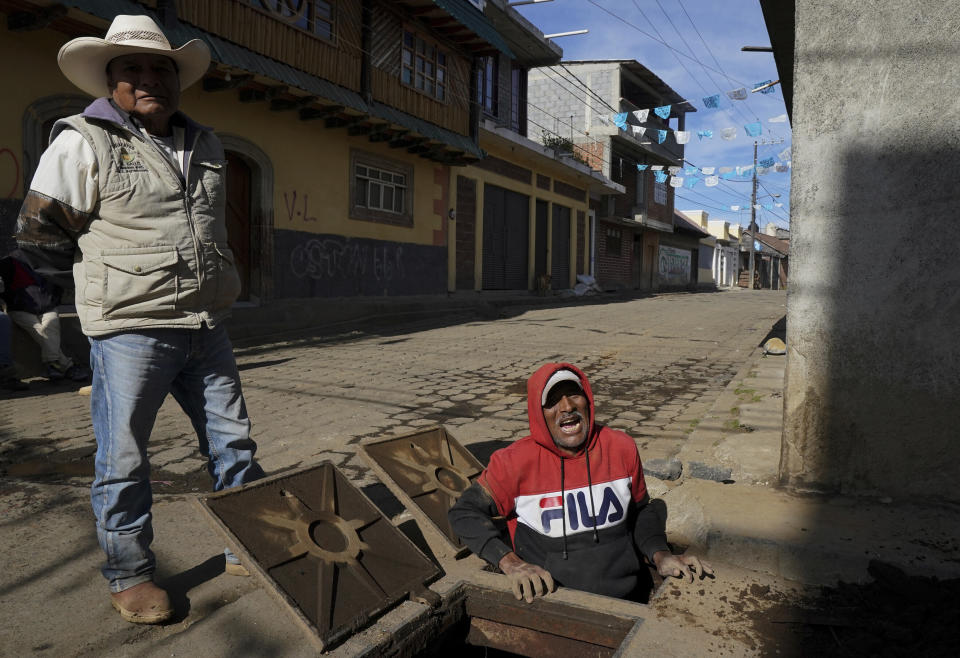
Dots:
pixel 575 500
pixel 31 303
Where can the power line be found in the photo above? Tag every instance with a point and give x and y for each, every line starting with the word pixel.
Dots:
pixel 674 52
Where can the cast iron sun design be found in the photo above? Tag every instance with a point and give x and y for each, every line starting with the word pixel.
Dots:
pixel 325 548
pixel 428 469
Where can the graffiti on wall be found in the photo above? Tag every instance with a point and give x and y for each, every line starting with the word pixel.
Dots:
pixel 329 265
pixel 298 208
pixel 674 266
pixel 340 258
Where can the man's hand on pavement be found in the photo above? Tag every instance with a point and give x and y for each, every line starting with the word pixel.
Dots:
pixel 681 566
pixel 527 580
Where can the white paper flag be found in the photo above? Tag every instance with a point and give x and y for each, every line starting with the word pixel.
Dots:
pixel 780 118
pixel 656 168
pixel 758 206
pixel 604 119
pixel 729 133
pixel 641 115
pixel 707 171
pixel 676 181
pixel 682 136
pixel 778 204
pixel 711 181
pixel 785 153
pixel 674 170
pixel 724 170
pixel 734 208
pixel 737 94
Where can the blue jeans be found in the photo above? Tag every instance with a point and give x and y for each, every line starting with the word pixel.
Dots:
pixel 132 374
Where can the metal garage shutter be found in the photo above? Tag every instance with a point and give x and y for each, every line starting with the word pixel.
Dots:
pixel 505 239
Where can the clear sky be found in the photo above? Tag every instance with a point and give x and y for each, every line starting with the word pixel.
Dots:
pixel 702 57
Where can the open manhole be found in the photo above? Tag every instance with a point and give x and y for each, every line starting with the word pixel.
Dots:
pixel 321 547
pixel 487 622
pixel 427 471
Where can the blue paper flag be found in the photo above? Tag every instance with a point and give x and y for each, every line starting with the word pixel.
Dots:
pixel 768 206
pixel 768 90
pixel 728 175
pixel 620 120
pixel 663 111
pixel 641 167
pixel 661 136
pixel 691 170
pixel 660 176
pixel 712 102
pixel 704 133
pixel 754 129
pixel 766 162
pixel 690 182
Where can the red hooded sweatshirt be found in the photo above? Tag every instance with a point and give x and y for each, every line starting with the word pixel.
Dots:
pixel 581 518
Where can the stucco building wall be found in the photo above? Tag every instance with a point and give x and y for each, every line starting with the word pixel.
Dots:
pixel 873 371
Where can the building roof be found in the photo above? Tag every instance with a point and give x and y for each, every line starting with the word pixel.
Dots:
pixel 232 55
pixel 527 42
pixel 475 20
pixel 769 244
pixel 783 246
pixel 645 74
pixel 779 15
pixel 683 225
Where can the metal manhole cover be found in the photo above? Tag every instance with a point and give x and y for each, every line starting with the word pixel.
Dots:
pixel 426 470
pixel 322 546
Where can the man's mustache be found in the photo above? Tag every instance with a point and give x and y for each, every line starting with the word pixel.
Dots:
pixel 570 415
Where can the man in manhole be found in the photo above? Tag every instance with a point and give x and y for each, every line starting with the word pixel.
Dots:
pixel 574 498
pixel 130 196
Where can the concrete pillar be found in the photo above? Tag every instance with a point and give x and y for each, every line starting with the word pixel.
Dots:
pixel 478 232
pixel 873 372
pixel 532 241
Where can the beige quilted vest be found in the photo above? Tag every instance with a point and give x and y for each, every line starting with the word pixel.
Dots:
pixel 155 254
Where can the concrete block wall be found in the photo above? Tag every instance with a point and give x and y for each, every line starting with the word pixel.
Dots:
pixel 554 96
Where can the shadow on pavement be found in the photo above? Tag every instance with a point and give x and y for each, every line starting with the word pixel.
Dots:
pixel 179 585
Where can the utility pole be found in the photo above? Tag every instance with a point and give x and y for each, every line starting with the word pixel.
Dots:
pixel 753 214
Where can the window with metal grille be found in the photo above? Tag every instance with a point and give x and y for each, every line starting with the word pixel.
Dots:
pixel 423 66
pixel 614 241
pixel 660 193
pixel 313 16
pixel 381 189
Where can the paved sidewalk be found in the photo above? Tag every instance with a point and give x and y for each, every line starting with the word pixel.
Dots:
pixel 658 366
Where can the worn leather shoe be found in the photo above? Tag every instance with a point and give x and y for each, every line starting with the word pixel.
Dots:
pixel 235 569
pixel 143 604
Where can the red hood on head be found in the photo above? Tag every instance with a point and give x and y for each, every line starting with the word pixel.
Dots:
pixel 538 426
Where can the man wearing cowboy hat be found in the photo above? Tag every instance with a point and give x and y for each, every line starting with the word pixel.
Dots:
pixel 130 195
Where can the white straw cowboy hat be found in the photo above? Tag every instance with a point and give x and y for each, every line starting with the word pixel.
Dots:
pixel 84 59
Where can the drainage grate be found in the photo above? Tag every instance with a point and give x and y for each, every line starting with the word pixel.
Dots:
pixel 427 471
pixel 322 547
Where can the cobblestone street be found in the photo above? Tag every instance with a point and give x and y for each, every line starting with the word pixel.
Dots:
pixel 656 365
